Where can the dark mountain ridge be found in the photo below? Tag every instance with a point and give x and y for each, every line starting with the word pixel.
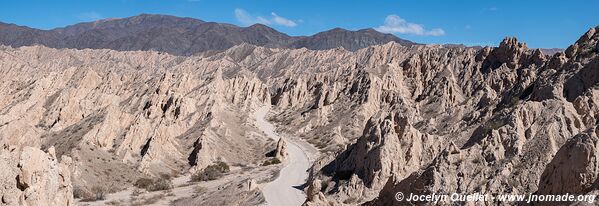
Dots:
pixel 183 36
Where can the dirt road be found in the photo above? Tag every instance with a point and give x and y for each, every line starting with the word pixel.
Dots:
pixel 284 190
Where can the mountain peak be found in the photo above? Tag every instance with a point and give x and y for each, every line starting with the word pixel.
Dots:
pixel 262 27
pixel 337 29
pixel 258 25
pixel 369 30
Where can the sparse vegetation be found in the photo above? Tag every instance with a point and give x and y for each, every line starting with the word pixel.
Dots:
pixel 94 194
pixel 148 201
pixel 271 161
pixel 200 189
pixel 114 202
pixel 136 192
pixel 350 200
pixel 99 192
pixel 162 183
pixel 143 183
pixel 166 176
pixel 82 193
pixel 169 193
pixel 212 172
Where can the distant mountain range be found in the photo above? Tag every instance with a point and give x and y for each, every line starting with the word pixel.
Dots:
pixel 183 36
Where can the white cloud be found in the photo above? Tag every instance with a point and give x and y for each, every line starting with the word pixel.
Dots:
pixel 282 21
pixel 90 16
pixel 395 24
pixel 246 19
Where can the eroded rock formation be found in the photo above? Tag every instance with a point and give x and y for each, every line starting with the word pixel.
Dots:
pixel 496 130
pixel 281 151
pixel 388 118
pixel 34 177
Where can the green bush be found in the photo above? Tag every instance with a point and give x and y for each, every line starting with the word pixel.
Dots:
pixel 212 172
pixel 271 161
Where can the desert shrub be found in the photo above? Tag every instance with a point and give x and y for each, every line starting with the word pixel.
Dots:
pixel 271 161
pixel 222 166
pixel 350 200
pixel 199 189
pixel 160 184
pixel 143 183
pixel 212 172
pixel 209 173
pixel 148 201
pixel 114 202
pixel 94 194
pixel 166 176
pixel 136 192
pixel 99 192
pixel 82 193
pixel 154 184
pixel 169 193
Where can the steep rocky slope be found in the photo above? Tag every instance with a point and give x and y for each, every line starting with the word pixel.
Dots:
pixel 505 120
pixel 182 36
pixel 350 40
pixel 35 178
pixel 388 118
pixel 118 114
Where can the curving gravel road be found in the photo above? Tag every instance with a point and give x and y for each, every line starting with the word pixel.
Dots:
pixel 283 191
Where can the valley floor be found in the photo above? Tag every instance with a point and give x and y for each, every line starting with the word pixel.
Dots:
pixel 280 184
pixel 287 189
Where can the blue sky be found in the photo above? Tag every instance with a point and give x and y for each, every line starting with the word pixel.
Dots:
pixel 545 24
